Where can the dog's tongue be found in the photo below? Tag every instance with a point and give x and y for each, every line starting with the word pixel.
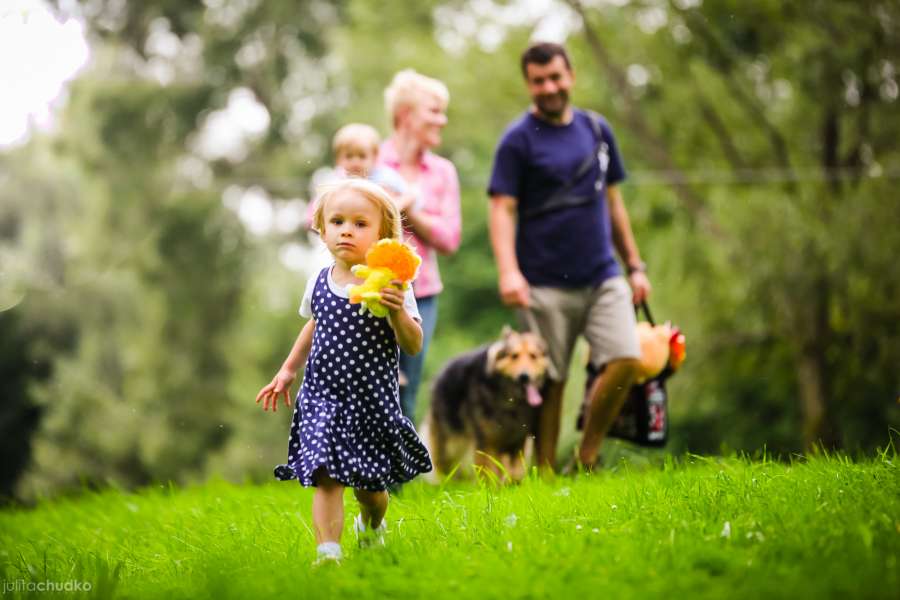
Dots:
pixel 533 395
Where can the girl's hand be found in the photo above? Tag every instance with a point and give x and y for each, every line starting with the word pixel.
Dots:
pixel 279 386
pixel 392 296
pixel 407 331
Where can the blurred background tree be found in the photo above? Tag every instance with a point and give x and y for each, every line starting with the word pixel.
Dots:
pixel 154 257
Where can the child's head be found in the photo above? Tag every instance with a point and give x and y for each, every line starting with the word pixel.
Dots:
pixel 353 214
pixel 356 148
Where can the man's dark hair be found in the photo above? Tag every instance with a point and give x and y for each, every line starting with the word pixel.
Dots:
pixel 541 53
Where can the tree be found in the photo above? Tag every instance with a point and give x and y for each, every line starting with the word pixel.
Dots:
pixel 797 242
pixel 154 263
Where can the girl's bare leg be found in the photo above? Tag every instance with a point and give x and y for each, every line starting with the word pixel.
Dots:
pixel 328 508
pixel 372 506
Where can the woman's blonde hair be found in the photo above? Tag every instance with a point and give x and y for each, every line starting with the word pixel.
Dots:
pixel 356 135
pixel 391 225
pixel 407 89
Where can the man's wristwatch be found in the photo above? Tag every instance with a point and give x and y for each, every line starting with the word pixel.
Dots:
pixel 640 266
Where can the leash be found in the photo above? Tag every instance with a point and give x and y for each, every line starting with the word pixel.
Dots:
pixel 530 322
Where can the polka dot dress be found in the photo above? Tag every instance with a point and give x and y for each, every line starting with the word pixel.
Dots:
pixel 347 416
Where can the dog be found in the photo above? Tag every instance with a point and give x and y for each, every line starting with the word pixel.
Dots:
pixel 485 401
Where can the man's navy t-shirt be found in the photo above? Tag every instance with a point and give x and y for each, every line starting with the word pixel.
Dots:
pixel 568 247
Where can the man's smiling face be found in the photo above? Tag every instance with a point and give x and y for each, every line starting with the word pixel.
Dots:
pixel 549 86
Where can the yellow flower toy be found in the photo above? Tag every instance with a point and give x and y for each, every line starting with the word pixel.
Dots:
pixel 385 261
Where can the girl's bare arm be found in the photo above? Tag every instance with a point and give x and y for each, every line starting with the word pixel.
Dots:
pixel 407 330
pixel 281 383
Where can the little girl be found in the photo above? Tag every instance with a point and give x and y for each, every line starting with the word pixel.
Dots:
pixel 348 429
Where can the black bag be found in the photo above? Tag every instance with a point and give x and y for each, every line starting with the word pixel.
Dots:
pixel 644 418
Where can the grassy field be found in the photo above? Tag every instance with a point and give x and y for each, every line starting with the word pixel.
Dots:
pixel 824 527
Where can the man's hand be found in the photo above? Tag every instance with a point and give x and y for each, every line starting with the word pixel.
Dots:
pixel 279 386
pixel 640 286
pixel 514 289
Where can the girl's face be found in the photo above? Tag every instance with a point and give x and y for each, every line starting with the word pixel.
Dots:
pixel 352 225
pixel 425 120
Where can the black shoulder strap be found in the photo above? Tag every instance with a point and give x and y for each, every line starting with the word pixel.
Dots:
pixel 588 161
pixel 595 125
pixel 563 198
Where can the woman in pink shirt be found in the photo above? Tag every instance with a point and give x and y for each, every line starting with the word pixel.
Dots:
pixel 417 107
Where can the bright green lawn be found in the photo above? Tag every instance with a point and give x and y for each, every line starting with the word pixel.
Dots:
pixel 695 527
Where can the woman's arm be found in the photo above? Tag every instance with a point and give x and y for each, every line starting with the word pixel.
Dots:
pixel 440 230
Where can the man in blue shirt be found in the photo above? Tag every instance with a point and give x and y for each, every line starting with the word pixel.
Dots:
pixel 556 216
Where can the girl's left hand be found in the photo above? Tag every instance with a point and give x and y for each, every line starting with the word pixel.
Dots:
pixel 392 296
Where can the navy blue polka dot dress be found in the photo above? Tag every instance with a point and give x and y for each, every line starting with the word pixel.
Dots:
pixel 347 416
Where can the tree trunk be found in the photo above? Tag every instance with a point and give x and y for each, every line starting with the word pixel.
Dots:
pixel 811 307
pixel 656 148
pixel 812 398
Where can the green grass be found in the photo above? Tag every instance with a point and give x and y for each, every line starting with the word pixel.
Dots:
pixel 694 527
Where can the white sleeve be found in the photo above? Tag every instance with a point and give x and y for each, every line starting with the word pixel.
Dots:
pixel 306 302
pixel 409 304
pixel 389 179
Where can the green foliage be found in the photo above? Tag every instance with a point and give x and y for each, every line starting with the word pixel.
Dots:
pixel 154 317
pixel 133 276
pixel 705 528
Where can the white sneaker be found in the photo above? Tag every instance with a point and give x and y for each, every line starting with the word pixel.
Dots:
pixel 369 537
pixel 328 553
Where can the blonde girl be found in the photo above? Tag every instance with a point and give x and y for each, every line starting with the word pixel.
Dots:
pixel 348 429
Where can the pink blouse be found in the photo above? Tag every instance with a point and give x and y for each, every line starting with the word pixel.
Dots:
pixel 439 186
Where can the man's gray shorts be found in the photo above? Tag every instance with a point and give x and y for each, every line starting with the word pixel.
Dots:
pixel 603 314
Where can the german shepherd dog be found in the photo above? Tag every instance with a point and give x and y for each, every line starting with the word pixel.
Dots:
pixel 485 401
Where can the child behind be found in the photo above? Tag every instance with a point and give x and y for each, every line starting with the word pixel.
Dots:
pixel 348 429
pixel 355 148
pixel 355 152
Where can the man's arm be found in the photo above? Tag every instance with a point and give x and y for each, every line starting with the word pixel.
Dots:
pixel 623 238
pixel 443 235
pixel 502 224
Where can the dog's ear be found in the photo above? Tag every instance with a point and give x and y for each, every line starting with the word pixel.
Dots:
pixel 495 352
pixel 537 340
pixel 506 332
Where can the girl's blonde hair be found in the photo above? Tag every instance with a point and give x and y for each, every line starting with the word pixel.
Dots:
pixel 407 89
pixel 391 225
pixel 356 135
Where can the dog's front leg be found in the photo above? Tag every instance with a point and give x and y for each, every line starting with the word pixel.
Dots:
pixel 487 466
pixel 517 466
